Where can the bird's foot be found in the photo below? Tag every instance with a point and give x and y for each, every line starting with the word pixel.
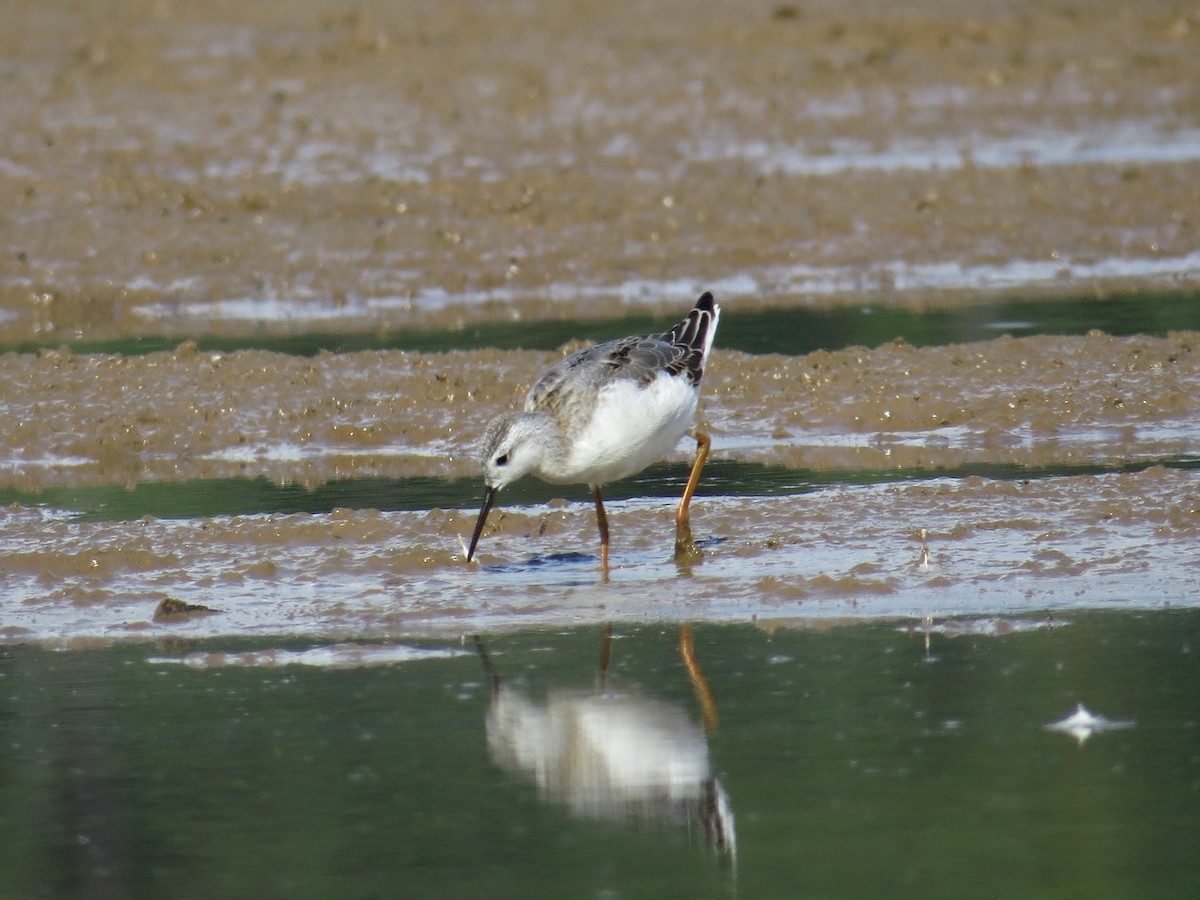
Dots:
pixel 686 549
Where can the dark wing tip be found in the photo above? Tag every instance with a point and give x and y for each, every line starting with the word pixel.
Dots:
pixel 691 338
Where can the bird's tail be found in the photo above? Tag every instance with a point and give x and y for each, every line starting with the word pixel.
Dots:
pixel 696 333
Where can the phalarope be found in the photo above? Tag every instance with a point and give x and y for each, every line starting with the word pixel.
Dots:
pixel 604 414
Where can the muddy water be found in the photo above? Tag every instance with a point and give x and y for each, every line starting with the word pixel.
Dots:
pixel 908 190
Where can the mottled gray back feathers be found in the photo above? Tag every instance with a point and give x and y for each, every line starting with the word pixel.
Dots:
pixel 692 339
pixel 575 381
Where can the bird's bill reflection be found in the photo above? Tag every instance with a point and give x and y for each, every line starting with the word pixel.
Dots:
pixel 488 499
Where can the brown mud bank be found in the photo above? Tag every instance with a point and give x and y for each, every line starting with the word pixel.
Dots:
pixel 212 168
pixel 1037 402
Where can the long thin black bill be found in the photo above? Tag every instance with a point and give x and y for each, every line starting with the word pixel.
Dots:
pixel 488 500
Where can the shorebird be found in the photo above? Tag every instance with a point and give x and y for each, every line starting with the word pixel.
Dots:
pixel 604 414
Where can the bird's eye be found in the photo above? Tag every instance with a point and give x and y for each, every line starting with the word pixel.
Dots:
pixel 502 459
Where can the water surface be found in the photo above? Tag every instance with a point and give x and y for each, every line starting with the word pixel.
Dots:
pixel 790 331
pixel 856 761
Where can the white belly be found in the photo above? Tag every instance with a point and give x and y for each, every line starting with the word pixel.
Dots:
pixel 631 428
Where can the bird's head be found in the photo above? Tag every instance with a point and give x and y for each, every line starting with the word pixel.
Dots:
pixel 513 446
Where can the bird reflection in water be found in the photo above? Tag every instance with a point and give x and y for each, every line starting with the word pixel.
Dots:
pixel 613 755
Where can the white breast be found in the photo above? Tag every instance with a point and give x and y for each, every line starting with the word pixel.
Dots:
pixel 631 428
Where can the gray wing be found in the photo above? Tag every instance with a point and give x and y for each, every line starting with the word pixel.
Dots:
pixel 577 379
pixel 568 390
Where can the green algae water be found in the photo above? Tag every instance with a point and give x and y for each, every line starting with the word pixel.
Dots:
pixel 888 758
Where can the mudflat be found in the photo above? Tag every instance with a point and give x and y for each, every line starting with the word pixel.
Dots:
pixel 256 171
pixel 188 168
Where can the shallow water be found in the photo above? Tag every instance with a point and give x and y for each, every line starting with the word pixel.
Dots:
pixel 722 478
pixel 788 331
pixel 888 758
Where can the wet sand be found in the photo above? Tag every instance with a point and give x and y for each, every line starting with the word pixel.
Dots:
pixel 1021 550
pixel 1011 547
pixel 254 170
pixel 1041 402
pixel 183 169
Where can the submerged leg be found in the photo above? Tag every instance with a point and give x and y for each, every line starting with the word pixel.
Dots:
pixel 602 521
pixel 685 547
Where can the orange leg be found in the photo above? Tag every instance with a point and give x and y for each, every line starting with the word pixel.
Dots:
pixel 685 547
